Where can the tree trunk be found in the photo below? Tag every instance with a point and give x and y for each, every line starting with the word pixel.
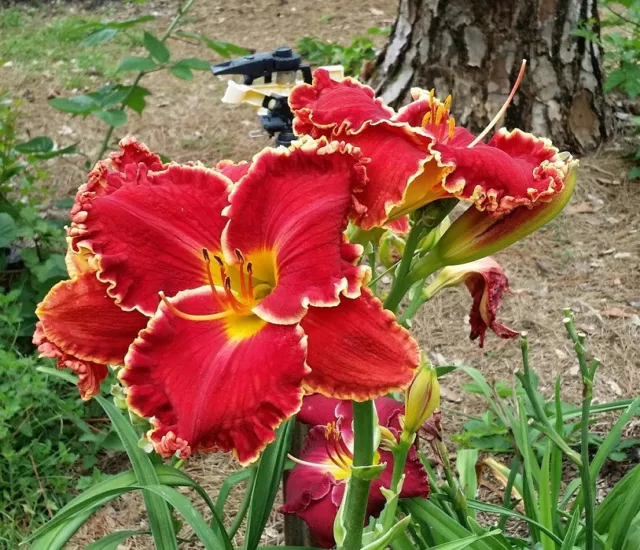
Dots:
pixel 473 49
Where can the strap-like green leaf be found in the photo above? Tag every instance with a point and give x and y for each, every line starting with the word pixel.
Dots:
pixel 206 535
pixel 112 541
pixel 157 509
pixel 266 483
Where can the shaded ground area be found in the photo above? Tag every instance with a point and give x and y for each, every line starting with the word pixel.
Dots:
pixel 588 259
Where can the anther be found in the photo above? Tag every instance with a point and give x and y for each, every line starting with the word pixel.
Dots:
pixel 205 255
pixel 239 255
pixel 207 260
pixel 233 301
pixel 250 280
pixel 219 260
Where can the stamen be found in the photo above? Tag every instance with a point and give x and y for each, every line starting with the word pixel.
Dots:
pixel 243 284
pixel 233 301
pixel 223 272
pixel 250 277
pixel 452 126
pixel 312 464
pixel 188 316
pixel 503 108
pixel 447 103
pixel 426 119
pixel 439 114
pixel 207 261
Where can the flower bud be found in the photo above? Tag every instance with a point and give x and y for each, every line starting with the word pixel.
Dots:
pixel 388 441
pixel 391 249
pixel 422 397
pixel 476 234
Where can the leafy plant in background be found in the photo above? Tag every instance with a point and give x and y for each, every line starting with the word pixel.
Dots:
pixel 488 433
pixel 32 246
pixel 47 442
pixel 622 54
pixel 111 102
pixel 351 57
pixel 534 492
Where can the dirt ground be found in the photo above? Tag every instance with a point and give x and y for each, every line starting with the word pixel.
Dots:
pixel 588 259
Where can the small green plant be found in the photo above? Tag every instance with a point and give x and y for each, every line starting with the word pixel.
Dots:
pixel 488 433
pixel 32 245
pixel 620 42
pixel 351 57
pixel 112 102
pixel 41 452
pixel 558 516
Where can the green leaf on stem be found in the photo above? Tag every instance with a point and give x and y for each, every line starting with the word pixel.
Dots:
pixel 40 144
pixel 77 105
pixel 156 48
pixel 99 37
pixel 136 99
pixel 112 117
pixel 181 71
pixel 138 64
pixel 8 230
pixel 195 64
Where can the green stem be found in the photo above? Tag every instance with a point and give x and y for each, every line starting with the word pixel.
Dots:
pixel 400 287
pixel 526 378
pixel 588 484
pixel 419 298
pixel 105 142
pixel 358 493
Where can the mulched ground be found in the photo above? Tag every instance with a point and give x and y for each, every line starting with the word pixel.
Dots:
pixel 588 259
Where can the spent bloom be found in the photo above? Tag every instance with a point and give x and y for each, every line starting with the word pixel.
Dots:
pixel 244 287
pixel 486 281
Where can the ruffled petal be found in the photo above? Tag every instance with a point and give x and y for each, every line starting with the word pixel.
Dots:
pixel 80 319
pixel 90 374
pixel 287 217
pixel 327 106
pixel 402 174
pixel 307 483
pixel 318 410
pixel 101 180
pixel 357 350
pixel 387 408
pixel 214 385
pixel 513 169
pixel 416 482
pixel 234 171
pixel 148 235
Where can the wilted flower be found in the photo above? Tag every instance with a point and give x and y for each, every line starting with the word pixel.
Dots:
pixel 486 282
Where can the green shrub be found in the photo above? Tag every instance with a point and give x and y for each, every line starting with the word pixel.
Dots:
pixel 40 445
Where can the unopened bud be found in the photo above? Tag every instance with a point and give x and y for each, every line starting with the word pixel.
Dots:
pixel 388 441
pixel 391 249
pixel 423 397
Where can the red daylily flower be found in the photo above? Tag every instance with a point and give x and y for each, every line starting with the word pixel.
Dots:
pixel 315 486
pixel 252 292
pixel 418 155
pixel 486 282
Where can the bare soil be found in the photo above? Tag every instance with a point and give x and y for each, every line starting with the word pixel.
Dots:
pixel 588 259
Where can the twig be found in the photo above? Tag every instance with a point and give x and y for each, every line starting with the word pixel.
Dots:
pixel 42 491
pixel 630 21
